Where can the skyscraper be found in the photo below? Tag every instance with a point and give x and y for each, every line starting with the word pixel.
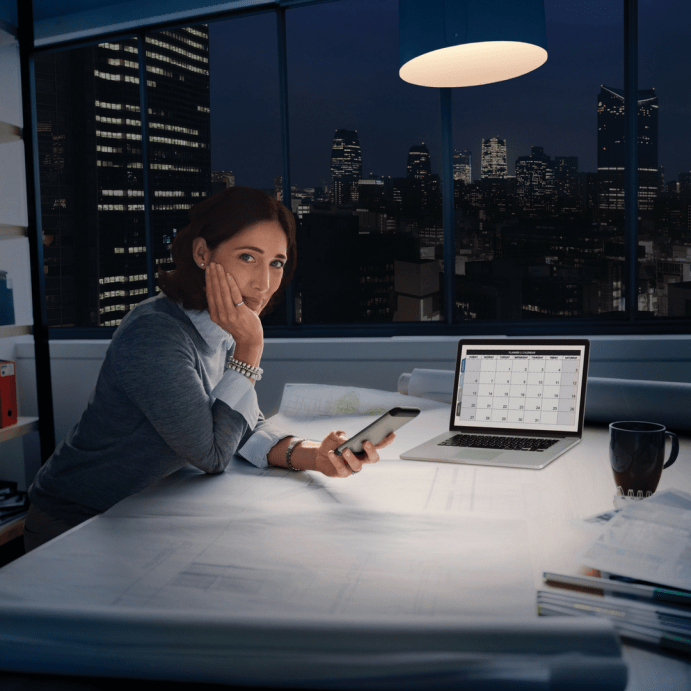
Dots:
pixel 566 175
pixel 419 175
pixel 493 158
pixel 611 149
pixel 346 167
pixel 91 167
pixel 419 165
pixel 535 179
pixel 462 165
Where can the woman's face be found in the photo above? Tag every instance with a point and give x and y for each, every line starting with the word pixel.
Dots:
pixel 255 258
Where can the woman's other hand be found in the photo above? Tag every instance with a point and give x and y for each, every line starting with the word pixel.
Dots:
pixel 224 297
pixel 333 465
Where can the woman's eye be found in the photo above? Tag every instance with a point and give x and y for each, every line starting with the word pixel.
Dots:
pixel 278 263
pixel 246 257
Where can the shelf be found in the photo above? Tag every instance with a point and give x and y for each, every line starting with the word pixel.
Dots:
pixel 24 425
pixel 7 231
pixel 9 133
pixel 15 330
pixel 13 529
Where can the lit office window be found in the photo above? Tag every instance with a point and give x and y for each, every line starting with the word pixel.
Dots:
pixel 538 182
pixel 365 170
pixel 664 161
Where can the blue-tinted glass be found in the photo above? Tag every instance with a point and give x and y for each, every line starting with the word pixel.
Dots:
pixel 365 165
pixel 245 110
pixel 539 178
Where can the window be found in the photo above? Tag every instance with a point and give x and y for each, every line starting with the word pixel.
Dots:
pixel 365 163
pixel 245 110
pixel 87 154
pixel 532 240
pixel 540 240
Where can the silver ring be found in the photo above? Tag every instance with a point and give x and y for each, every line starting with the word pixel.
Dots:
pixel 240 303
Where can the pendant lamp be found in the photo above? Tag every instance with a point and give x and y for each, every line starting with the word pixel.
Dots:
pixel 449 43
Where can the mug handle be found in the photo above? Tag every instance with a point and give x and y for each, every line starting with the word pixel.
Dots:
pixel 675 449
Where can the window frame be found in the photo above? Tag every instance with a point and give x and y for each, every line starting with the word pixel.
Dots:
pixel 628 323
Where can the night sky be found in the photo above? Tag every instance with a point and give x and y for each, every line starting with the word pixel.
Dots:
pixel 343 73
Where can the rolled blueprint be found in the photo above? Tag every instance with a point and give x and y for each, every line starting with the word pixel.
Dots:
pixel 435 384
pixel 664 402
pixel 559 654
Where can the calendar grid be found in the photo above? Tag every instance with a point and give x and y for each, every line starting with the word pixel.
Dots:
pixel 539 388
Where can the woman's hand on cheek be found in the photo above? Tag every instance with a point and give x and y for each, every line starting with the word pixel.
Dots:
pixel 223 296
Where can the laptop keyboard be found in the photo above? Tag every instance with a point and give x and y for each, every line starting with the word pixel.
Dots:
pixel 481 441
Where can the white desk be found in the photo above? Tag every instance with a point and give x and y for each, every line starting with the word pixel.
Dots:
pixel 403 546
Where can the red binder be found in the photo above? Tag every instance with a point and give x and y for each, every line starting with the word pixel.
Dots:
pixel 8 394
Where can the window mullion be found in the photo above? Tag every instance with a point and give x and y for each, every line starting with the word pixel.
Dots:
pixel 449 221
pixel 285 138
pixel 148 201
pixel 631 155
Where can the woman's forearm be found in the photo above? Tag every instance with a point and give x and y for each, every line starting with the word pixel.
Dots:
pixel 303 456
pixel 249 354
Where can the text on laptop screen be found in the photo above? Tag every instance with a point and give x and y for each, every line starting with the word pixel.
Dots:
pixel 536 387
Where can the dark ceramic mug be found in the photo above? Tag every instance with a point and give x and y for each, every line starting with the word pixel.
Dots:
pixel 637 455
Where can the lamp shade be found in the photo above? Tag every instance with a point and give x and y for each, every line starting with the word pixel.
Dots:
pixel 448 43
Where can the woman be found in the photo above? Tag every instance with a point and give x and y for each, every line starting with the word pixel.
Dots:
pixel 168 393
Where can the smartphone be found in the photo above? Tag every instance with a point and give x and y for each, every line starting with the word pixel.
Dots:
pixel 379 429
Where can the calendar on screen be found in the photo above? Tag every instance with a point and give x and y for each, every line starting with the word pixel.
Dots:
pixel 539 387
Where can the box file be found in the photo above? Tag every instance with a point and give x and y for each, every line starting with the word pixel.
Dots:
pixel 8 394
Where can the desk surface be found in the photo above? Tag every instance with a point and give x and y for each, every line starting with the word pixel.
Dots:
pixel 347 548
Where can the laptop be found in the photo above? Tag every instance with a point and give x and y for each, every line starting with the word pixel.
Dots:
pixel 517 403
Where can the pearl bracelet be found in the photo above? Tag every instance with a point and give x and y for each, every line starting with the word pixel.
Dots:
pixel 248 370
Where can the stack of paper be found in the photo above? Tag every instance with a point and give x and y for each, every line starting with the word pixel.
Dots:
pixel 644 559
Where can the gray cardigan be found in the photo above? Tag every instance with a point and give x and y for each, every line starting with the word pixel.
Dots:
pixel 163 398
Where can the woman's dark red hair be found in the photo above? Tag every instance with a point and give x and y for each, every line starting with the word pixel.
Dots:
pixel 218 219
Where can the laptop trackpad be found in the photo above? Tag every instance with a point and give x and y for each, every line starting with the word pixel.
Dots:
pixel 479 454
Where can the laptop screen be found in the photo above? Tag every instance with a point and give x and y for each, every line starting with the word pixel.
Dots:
pixel 525 385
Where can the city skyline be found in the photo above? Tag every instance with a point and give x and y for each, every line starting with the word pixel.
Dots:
pixel 553 107
pixel 493 158
pixel 476 155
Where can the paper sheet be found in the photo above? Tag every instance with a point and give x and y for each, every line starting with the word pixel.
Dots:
pixel 331 557
pixel 647 540
pixel 393 538
pixel 410 486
